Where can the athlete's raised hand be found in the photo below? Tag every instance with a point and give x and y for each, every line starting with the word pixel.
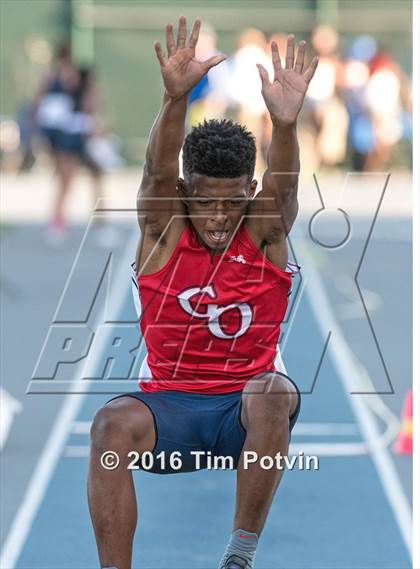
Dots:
pixel 284 96
pixel 180 70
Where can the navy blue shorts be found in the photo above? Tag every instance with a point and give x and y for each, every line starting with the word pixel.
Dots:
pixel 60 141
pixel 187 423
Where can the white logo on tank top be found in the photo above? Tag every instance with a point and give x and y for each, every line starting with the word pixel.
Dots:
pixel 237 259
pixel 214 312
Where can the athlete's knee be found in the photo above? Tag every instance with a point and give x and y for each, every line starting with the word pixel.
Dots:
pixel 271 397
pixel 123 422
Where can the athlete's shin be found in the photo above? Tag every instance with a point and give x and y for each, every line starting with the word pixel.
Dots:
pixel 256 486
pixel 118 428
pixel 267 406
pixel 112 505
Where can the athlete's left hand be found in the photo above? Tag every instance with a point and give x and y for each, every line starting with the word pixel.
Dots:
pixel 284 96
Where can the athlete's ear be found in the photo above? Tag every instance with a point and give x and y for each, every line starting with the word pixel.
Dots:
pixel 182 189
pixel 252 187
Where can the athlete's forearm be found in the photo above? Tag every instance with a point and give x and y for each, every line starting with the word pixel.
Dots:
pixel 166 138
pixel 283 157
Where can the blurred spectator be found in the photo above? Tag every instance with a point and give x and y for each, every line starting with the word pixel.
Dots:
pixel 389 107
pixel 100 147
pixel 209 99
pixel 65 111
pixel 27 132
pixel 246 84
pixel 54 104
pixel 281 40
pixel 327 124
pixel 361 138
pixel 378 103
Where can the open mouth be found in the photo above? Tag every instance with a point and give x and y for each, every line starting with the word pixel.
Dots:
pixel 218 237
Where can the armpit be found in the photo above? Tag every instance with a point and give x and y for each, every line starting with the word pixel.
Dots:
pixel 275 234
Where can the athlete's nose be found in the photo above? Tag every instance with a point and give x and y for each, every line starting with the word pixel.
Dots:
pixel 218 219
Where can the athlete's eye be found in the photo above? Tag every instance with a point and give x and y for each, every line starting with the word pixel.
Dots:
pixel 203 202
pixel 236 203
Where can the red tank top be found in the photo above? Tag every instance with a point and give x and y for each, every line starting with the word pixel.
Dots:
pixel 211 322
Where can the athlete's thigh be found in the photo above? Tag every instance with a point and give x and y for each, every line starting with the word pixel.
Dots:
pixel 182 431
pixel 130 419
pixel 232 433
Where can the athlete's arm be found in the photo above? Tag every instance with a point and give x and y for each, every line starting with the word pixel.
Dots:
pixel 36 100
pixel 157 198
pixel 275 207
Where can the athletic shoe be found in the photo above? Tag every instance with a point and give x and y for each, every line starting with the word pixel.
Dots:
pixel 235 562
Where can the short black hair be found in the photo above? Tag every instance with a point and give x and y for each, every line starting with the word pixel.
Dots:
pixel 219 149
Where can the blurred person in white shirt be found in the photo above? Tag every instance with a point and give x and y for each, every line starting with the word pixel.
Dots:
pixel 389 106
pixel 246 86
pixel 66 113
pixel 329 117
pixel 210 98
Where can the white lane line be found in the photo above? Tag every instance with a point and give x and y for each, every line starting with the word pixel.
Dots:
pixel 325 429
pixel 329 449
pixel 76 451
pixel 344 361
pixel 9 407
pixel 81 427
pixel 61 428
pixel 316 449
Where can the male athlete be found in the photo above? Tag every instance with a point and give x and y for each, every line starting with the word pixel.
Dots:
pixel 213 280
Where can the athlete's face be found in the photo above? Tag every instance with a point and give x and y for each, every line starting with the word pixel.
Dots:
pixel 216 206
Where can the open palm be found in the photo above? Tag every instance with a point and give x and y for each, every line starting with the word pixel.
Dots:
pixel 180 70
pixel 284 96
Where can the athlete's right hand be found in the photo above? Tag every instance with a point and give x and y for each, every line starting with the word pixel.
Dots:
pixel 180 70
